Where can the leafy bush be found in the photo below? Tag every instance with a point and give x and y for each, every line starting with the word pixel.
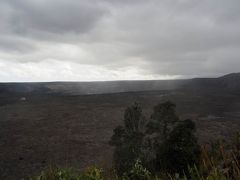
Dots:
pixel 92 173
pixel 137 172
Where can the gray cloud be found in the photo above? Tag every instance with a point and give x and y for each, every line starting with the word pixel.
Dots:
pixel 154 38
pixel 46 18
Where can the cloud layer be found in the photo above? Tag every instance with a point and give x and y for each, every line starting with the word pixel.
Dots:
pixel 48 40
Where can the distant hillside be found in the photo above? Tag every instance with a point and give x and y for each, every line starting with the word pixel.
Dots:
pixel 23 87
pixel 230 82
pixel 91 87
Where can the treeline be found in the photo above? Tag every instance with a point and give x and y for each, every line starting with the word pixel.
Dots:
pixel 161 146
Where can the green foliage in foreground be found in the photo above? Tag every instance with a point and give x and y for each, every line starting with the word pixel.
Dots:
pixel 54 173
pixel 219 161
pixel 163 147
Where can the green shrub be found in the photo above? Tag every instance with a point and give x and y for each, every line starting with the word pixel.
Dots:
pixel 138 172
pixel 93 173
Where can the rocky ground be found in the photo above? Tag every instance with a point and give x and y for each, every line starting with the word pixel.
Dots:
pixel 38 130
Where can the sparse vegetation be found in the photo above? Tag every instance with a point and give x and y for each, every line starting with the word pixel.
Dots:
pixel 218 161
pixel 54 173
pixel 161 147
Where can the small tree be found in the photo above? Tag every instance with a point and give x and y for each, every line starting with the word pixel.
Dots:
pixel 128 139
pixel 158 129
pixel 162 120
pixel 180 150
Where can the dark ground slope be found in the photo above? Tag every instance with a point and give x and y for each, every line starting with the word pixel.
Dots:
pixel 39 127
pixel 74 130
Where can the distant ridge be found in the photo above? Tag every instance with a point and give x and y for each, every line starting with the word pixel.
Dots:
pixel 229 82
pixel 91 87
pixel 232 75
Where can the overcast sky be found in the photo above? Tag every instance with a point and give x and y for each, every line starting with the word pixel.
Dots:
pixel 85 40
